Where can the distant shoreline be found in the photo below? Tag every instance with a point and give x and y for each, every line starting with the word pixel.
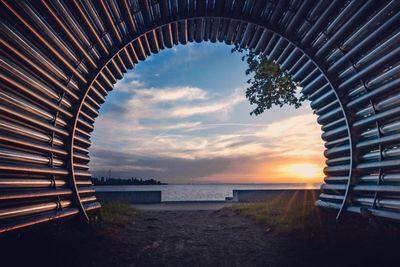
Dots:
pixel 121 182
pixel 261 184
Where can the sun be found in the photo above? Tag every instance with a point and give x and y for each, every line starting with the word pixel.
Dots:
pixel 305 170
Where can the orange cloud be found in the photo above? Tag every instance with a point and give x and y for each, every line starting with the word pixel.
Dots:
pixel 265 170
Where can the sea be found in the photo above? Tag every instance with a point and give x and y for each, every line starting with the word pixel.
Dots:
pixel 203 192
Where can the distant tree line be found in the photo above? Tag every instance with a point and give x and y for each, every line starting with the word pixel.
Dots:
pixel 120 181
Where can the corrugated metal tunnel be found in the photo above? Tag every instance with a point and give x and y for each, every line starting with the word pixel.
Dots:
pixel 59 60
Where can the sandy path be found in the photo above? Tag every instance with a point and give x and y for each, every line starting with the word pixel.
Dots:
pixel 195 238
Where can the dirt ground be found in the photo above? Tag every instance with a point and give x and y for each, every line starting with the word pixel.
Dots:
pixel 190 238
pixel 199 238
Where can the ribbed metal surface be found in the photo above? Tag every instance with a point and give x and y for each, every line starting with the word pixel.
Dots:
pixel 59 59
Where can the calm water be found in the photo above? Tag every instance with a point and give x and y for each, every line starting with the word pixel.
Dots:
pixel 198 192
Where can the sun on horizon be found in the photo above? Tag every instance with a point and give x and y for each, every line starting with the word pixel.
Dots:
pixel 303 171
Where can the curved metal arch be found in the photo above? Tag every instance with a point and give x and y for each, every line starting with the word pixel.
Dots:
pixel 82 48
pixel 299 47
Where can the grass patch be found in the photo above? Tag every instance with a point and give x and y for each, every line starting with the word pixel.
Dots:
pixel 294 213
pixel 284 213
pixel 313 236
pixel 112 216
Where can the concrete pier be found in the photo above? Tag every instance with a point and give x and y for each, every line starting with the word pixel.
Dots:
pixel 262 195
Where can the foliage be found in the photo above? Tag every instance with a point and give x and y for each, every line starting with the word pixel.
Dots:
pixel 269 85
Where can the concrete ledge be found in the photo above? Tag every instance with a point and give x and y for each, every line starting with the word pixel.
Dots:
pixel 136 197
pixel 262 195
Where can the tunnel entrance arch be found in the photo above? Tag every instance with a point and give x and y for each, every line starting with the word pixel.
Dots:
pixel 60 59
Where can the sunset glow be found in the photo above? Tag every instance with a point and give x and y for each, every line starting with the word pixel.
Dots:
pixel 305 170
pixel 165 121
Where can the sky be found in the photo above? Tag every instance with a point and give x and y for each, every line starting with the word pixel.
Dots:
pixel 182 117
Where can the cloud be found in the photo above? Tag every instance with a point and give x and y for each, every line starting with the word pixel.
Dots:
pixel 166 94
pixel 169 169
pixel 186 56
pixel 176 102
pixel 222 106
pixel 194 139
pixel 129 83
pixel 298 135
pixel 257 168
pixel 136 83
pixel 123 162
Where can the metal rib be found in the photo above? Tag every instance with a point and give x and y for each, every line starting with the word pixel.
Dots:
pixel 59 60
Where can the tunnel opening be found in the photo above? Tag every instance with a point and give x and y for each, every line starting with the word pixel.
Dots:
pixel 164 122
pixel 59 60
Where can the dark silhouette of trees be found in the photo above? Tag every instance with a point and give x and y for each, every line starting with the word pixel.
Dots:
pixel 119 181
